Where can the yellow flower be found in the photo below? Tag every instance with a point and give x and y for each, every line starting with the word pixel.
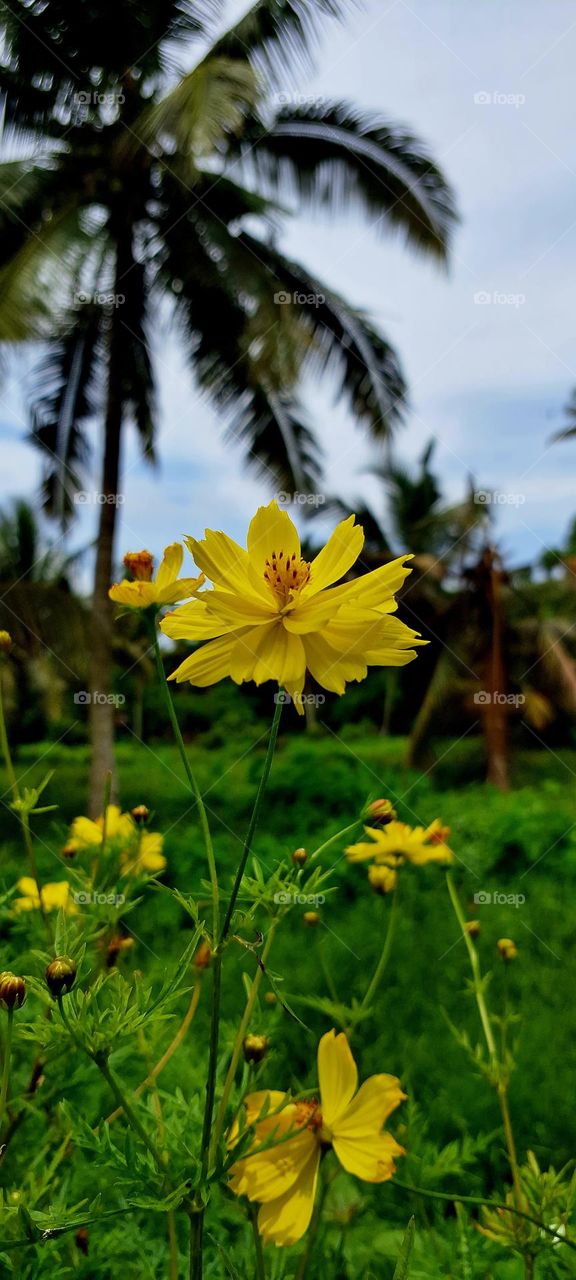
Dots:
pixel 147 858
pixel 141 851
pixel 273 616
pixel 167 588
pixel 283 1177
pixel 397 843
pixel 54 896
pixel 382 879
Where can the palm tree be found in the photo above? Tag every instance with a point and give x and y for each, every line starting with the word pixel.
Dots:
pixel 145 192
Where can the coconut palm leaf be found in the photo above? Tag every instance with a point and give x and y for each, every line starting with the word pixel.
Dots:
pixel 278 35
pixel 334 156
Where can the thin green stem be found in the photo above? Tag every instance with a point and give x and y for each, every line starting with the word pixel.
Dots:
pixel 260 1273
pixel 5 748
pixel 192 782
pixel 254 819
pixel 451 1198
pixel 6 1065
pixel 384 957
pixel 23 817
pixel 133 1120
pixel 333 839
pixel 197 1234
pixel 241 1032
pixel 476 971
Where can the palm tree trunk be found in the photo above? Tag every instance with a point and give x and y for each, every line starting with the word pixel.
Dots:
pixel 495 719
pixel 102 712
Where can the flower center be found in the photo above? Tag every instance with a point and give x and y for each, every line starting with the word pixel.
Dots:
pixel 140 564
pixel 309 1116
pixel 286 575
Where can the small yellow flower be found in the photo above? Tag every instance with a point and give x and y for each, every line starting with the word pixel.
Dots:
pixel 273 616
pixel 54 895
pixel 382 879
pixel 6 642
pixel 283 1178
pixel 167 588
pixel 140 851
pixel 397 843
pixel 508 949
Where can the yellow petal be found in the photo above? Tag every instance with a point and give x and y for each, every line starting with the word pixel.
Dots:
pixel 377 587
pixel 268 653
pixel 27 886
pixel 372 1159
pixel 269 1174
pixel 330 668
pixel 223 561
pixel 374 1102
pixel 182 589
pixel 284 1221
pixel 337 557
pixel 271 530
pixel 114 823
pixel 240 611
pixel 86 831
pixel 137 595
pixel 170 566
pixel 194 621
pixel 337 1075
pixel 209 664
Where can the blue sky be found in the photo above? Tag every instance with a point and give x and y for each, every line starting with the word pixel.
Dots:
pixel 490 88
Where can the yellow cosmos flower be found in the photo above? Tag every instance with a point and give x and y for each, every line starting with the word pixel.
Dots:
pixel 273 616
pixel 54 896
pixel 283 1178
pixel 167 587
pixel 397 843
pixel 141 852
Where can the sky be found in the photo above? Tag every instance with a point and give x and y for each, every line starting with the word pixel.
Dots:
pixel 488 346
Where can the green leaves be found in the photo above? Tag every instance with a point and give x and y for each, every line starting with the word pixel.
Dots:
pixel 206 106
pixel 403 1265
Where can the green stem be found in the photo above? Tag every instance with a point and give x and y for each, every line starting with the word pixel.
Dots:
pixel 254 819
pixel 23 817
pixel 197 1233
pixel 6 1067
pixel 192 782
pixel 384 958
pixel 451 1198
pixel 237 1050
pixel 132 1118
pixel 5 748
pixel 476 972
pixel 333 839
pixel 260 1273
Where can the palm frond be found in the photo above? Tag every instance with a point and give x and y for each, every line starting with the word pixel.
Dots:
pixel 336 157
pixel 569 431
pixel 206 106
pixel 278 35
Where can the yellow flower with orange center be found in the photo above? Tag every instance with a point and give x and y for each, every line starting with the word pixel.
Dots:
pixel 273 616
pixel 283 1177
pixel 397 843
pixel 166 588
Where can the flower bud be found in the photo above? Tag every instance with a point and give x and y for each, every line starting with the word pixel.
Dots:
pixel 140 564
pixel 6 642
pixel 508 949
pixel 82 1241
pixel 140 814
pixel 116 945
pixel 60 975
pixel 299 857
pixel 70 850
pixel 12 990
pixel 379 813
pixel 382 879
pixel 311 918
pixel 203 956
pixel 472 928
pixel 270 998
pixel 254 1048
